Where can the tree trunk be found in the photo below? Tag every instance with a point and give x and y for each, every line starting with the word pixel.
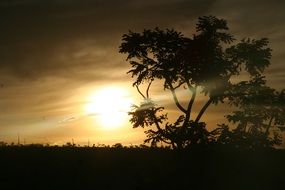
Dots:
pixel 202 111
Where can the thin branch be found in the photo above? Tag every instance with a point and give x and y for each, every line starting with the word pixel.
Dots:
pixel 140 92
pixel 147 90
pixel 159 129
pixel 155 119
pixel 202 111
pixel 194 92
pixel 176 99
pixel 181 83
pixel 190 105
pixel 157 124
pixel 165 141
pixel 190 87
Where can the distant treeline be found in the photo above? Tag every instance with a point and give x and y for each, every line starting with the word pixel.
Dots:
pixel 70 144
pixel 217 146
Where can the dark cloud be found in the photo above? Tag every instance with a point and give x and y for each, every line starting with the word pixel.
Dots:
pixel 71 38
pixel 66 38
pixel 41 38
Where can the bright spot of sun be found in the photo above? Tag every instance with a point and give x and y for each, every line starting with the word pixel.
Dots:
pixel 110 106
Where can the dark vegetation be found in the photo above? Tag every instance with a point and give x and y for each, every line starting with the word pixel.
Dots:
pixel 238 155
pixel 30 167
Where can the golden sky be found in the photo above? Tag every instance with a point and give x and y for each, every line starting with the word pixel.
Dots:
pixel 56 55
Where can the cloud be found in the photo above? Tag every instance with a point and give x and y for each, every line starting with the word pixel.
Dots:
pixel 61 38
pixel 71 38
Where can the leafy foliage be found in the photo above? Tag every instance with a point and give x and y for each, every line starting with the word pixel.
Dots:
pixel 260 110
pixel 146 114
pixel 254 139
pixel 207 61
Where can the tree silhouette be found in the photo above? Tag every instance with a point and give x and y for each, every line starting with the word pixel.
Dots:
pixel 259 117
pixel 203 65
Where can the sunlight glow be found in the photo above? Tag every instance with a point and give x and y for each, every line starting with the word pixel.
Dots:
pixel 109 106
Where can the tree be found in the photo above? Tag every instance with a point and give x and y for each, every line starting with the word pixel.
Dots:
pixel 203 65
pixel 259 117
pixel 117 145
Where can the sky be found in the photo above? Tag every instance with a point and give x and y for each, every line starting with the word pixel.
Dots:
pixel 56 55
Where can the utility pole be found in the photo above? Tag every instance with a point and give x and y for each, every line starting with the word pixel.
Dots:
pixel 88 143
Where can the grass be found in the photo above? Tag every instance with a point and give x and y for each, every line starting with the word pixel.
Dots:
pixel 126 168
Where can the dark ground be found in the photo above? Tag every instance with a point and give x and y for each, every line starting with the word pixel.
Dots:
pixel 105 168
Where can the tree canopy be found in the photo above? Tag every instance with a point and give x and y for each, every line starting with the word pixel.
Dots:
pixel 204 64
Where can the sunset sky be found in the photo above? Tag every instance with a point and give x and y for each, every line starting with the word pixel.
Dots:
pixel 59 62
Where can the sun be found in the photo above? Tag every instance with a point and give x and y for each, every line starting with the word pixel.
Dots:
pixel 109 106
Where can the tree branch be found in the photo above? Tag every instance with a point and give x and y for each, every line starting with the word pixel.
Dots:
pixel 190 87
pixel 159 129
pixel 140 92
pixel 147 90
pixel 156 123
pixel 190 105
pixel 181 83
pixel 176 99
pixel 202 111
pixel 165 141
